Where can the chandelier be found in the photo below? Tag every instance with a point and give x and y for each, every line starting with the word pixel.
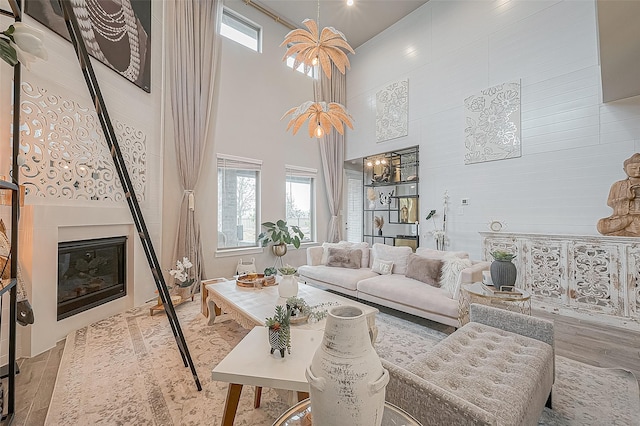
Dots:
pixel 312 48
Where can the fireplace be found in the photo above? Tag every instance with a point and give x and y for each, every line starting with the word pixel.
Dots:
pixel 90 273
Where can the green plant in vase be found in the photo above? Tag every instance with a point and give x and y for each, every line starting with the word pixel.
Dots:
pixel 503 256
pixel 280 330
pixel 503 271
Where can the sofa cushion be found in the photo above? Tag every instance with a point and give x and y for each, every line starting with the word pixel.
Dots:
pixel 483 364
pixel 382 267
pixel 410 292
pixel 398 255
pixel 364 247
pixel 450 277
pixel 439 254
pixel 342 277
pixel 424 269
pixel 344 258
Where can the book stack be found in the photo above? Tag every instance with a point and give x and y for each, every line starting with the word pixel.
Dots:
pixel 503 290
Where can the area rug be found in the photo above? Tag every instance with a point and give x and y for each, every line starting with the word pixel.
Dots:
pixel 127 370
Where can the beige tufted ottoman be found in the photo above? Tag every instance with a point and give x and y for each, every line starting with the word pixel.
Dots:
pixel 481 374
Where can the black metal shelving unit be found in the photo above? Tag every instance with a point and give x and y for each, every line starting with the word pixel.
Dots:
pixel 392 176
pixel 8 412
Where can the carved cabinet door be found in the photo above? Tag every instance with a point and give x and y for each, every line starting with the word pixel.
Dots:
pixel 594 277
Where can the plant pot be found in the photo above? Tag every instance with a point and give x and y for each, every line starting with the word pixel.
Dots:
pixel 276 342
pixel 279 250
pixel 288 286
pixel 503 273
pixel 347 364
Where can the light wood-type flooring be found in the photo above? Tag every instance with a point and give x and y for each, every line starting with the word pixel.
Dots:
pixel 584 341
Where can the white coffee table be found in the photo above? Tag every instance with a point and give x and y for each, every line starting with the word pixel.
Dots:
pixel 250 307
pixel 250 363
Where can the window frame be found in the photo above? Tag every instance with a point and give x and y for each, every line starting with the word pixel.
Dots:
pixel 241 20
pixel 306 173
pixel 242 163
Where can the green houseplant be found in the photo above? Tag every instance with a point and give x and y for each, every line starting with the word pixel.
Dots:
pixel 280 330
pixel 279 233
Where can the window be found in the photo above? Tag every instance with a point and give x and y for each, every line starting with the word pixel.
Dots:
pixel 301 199
pixel 238 201
pixel 241 30
pixel 354 206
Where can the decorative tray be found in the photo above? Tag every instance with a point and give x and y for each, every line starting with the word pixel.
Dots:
pixel 250 280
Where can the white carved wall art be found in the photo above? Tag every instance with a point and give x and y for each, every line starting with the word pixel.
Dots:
pixel 492 126
pixel 392 111
pixel 66 153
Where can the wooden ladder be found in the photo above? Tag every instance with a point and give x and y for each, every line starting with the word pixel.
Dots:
pixel 121 168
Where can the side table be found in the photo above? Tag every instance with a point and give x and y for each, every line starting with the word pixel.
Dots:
pixel 299 414
pixel 478 293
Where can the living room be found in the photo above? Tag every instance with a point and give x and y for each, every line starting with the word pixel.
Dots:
pixel 573 144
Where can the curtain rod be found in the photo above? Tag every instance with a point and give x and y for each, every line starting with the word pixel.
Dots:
pixel 270 14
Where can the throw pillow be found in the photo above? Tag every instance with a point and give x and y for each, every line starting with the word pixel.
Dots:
pixel 450 276
pixel 344 258
pixel 397 254
pixel 363 247
pixel 382 267
pixel 424 269
pixel 439 254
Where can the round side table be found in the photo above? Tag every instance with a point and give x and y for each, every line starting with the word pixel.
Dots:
pixel 298 415
pixel 480 293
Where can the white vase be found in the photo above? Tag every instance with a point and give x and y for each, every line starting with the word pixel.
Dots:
pixel 288 286
pixel 346 378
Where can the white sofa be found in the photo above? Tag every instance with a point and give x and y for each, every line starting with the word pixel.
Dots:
pixel 395 290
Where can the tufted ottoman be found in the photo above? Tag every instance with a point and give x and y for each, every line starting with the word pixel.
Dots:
pixel 496 370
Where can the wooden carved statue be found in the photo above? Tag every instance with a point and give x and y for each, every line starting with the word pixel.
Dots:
pixel 624 199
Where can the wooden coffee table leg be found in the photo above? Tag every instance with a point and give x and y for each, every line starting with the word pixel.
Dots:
pixel 231 404
pixel 302 395
pixel 256 397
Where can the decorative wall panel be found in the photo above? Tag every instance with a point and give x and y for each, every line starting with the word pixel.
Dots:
pixel 392 111
pixel 66 155
pixel 593 274
pixel 492 127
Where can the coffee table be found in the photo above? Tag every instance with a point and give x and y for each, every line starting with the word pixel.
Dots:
pixel 250 306
pixel 250 363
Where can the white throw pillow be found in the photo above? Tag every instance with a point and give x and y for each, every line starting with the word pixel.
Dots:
pixel 399 255
pixel 363 247
pixel 452 265
pixel 382 267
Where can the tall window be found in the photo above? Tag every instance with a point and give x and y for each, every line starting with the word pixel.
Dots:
pixel 238 201
pixel 354 206
pixel 241 30
pixel 301 199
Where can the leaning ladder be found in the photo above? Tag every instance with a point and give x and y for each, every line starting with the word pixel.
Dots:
pixel 121 168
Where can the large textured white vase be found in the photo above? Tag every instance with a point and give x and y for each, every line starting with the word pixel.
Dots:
pixel 288 286
pixel 346 378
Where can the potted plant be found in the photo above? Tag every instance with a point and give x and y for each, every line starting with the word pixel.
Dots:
pixel 280 235
pixel 279 330
pixel 299 308
pixel 503 271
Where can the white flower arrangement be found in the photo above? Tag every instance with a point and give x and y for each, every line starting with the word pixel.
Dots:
pixel 439 235
pixel 22 43
pixel 181 273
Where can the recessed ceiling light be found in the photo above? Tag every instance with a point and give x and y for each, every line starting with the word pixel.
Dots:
pixel 349 2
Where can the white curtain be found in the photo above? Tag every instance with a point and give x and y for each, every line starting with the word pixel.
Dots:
pixel 332 149
pixel 194 49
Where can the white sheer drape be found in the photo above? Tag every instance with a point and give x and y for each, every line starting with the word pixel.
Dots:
pixel 194 49
pixel 332 149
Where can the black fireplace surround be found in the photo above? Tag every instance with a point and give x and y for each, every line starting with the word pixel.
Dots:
pixel 90 273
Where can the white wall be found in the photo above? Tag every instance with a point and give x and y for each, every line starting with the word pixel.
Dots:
pixel 573 145
pixel 254 89
pixel 45 219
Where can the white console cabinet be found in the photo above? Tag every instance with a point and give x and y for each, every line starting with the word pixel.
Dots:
pixel 590 274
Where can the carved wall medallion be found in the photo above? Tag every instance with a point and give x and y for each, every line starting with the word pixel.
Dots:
pixel 65 152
